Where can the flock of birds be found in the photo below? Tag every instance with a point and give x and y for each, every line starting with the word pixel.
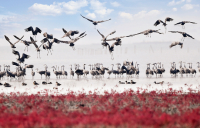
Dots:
pixel 96 70
pixel 48 40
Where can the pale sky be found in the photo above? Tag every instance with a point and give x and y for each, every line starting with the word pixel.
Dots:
pixel 127 17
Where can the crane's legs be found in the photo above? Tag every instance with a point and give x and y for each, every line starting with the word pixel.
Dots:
pixel 73 48
pixel 50 51
pixel 112 57
pixel 38 53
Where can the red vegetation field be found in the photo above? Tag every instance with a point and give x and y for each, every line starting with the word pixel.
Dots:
pixel 127 109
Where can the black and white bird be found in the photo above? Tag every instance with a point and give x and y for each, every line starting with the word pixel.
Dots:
pixel 176 43
pixel 182 33
pixel 69 33
pixel 49 44
pixel 34 32
pixel 95 22
pixel 36 46
pixel 22 58
pixel 111 49
pixel 104 38
pixel 72 41
pixel 183 23
pixel 26 43
pixel 12 44
pixel 49 36
pixel 168 19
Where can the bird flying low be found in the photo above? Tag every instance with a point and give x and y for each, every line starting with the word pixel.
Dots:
pixel 104 39
pixel 183 34
pixel 36 46
pixel 48 36
pixel 168 19
pixel 49 44
pixel 117 39
pixel 72 41
pixel 183 23
pixel 69 33
pixel 176 43
pixel 34 32
pixel 95 22
pixel 12 44
pixel 22 58
pixel 26 43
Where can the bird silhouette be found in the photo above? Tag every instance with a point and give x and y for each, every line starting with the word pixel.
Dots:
pixel 104 38
pixel 184 22
pixel 49 44
pixel 12 44
pixel 95 22
pixel 22 58
pixel 182 33
pixel 168 19
pixel 69 33
pixel 34 32
pixel 176 43
pixel 72 41
pixel 36 46
pixel 26 43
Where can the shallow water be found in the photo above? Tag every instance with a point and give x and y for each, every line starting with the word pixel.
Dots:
pixel 86 85
pixel 142 53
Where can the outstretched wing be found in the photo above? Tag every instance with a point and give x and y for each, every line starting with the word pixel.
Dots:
pixel 37 30
pixel 110 34
pixel 81 34
pixel 64 30
pixel 76 32
pixel 178 23
pixel 137 34
pixel 16 37
pixel 79 37
pixel 168 19
pixel 190 22
pixel 19 40
pixel 100 34
pixel 24 56
pixel 16 64
pixel 175 32
pixel 88 19
pixel 189 36
pixel 44 40
pixel 56 40
pixel 29 29
pixel 66 42
pixel 103 21
pixel 34 42
pixel 7 39
pixel 16 53
pixel 112 39
pixel 49 36
pixel 116 38
pixel 158 22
